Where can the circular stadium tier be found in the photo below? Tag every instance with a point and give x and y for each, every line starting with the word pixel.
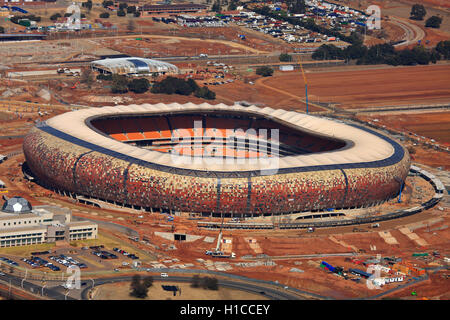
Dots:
pixel 215 159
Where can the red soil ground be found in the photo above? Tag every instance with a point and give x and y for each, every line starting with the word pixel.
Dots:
pixel 375 87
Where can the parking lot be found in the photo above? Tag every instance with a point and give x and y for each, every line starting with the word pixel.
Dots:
pixel 93 258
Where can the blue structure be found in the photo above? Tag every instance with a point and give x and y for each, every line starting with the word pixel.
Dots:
pixel 328 266
pixel 360 272
pixel 14 8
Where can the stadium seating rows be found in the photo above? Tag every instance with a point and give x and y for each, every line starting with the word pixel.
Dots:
pixel 167 128
pixel 71 167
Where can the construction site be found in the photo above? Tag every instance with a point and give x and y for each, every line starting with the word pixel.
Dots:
pixel 396 249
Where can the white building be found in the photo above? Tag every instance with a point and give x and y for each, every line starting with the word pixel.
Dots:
pixel 20 224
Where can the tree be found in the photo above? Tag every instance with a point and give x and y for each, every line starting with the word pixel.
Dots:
pixel 87 77
pixel 205 93
pixel 296 6
pixel 137 14
pixel 2 30
pixel 87 5
pixel 328 52
pixel 233 5
pixel 216 6
pixel 443 48
pixel 171 85
pixel 107 3
pixel 137 288
pixel 195 281
pixel 191 82
pixel 139 85
pixel 131 9
pixel 55 17
pixel 104 15
pixel 264 71
pixel 119 84
pixel 418 12
pixel 433 22
pixel 147 281
pixel 123 6
pixel 209 283
pixel 284 57
pixel 131 26
pixel 121 13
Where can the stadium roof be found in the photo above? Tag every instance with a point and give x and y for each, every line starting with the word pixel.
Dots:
pixel 363 145
pixel 127 65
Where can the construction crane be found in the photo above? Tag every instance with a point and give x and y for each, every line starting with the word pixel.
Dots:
pixel 304 80
pixel 216 252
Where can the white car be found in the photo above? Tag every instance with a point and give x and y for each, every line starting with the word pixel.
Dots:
pixel 164 275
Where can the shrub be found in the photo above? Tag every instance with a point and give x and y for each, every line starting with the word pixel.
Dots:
pixel 433 22
pixel 138 85
pixel 205 93
pixel 284 57
pixel 418 12
pixel 120 84
pixel 107 77
pixel 264 71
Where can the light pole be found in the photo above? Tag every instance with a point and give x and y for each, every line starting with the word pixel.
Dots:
pixel 26 273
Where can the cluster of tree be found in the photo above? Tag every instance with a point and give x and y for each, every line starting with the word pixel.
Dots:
pixel 233 5
pixel 205 283
pixel 87 5
pixel 418 12
pixel 296 6
pixel 107 3
pixel 120 84
pixel 107 77
pixel 264 71
pixel 58 15
pixel 31 17
pixel 139 287
pixel 384 54
pixel 217 6
pixel 172 85
pixel 284 57
pixel 308 23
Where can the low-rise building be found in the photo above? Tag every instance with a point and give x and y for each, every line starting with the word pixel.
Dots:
pixel 21 224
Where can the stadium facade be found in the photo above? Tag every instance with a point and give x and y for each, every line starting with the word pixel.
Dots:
pixel 125 155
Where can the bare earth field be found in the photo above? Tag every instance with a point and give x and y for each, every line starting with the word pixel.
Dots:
pixel 375 87
pixel 435 125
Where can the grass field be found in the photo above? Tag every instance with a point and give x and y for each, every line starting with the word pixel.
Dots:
pixel 120 291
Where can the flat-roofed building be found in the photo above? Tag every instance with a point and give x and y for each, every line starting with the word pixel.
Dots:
pixel 173 8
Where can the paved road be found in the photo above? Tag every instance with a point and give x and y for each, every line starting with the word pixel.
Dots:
pixel 413 33
pixel 49 292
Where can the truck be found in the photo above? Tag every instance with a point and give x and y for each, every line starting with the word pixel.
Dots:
pixel 327 266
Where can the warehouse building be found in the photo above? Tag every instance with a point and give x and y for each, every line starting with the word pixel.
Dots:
pixel 21 224
pixel 133 66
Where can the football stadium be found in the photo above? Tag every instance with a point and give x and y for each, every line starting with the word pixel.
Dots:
pixel 215 160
